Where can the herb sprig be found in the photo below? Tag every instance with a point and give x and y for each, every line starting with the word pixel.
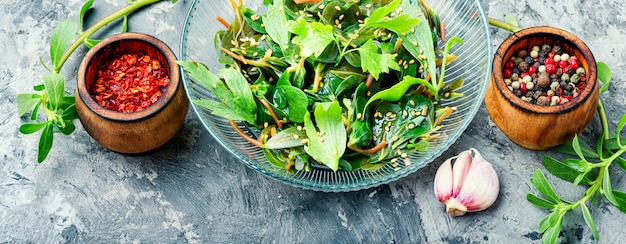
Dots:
pixel 591 168
pixel 50 97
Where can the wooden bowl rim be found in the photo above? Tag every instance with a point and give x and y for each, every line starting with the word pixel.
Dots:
pixel 574 41
pixel 153 109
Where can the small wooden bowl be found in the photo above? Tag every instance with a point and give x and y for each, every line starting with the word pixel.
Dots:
pixel 534 126
pixel 137 132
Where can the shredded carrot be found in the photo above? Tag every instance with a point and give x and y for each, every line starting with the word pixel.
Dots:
pixel 244 135
pixel 222 21
pixel 372 150
pixel 446 113
pixel 289 165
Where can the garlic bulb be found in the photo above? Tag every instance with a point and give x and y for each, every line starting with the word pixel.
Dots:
pixel 471 185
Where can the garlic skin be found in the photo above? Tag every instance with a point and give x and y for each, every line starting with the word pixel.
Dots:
pixel 470 185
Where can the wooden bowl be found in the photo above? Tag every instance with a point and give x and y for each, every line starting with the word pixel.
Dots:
pixel 136 132
pixel 534 126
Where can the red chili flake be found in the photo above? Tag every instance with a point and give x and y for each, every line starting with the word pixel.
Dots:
pixel 129 83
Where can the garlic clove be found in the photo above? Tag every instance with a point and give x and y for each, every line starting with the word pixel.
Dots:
pixel 459 171
pixel 443 181
pixel 448 179
pixel 481 187
pixel 470 185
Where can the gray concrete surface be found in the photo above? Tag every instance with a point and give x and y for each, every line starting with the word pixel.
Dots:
pixel 193 191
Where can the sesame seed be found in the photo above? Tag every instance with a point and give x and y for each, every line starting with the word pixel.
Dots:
pixel 296 136
pixel 321 6
pixel 414 43
pixel 321 139
pixel 388 114
pixel 411 126
pixel 304 141
pixel 337 8
pixel 299 128
pixel 341 17
pixel 359 115
pixel 412 61
pixel 254 69
pixel 424 111
pixel 404 155
pixel 266 124
pixel 412 102
pixel 407 162
pixel 369 5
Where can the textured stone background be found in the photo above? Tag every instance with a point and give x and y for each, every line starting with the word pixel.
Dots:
pixel 192 191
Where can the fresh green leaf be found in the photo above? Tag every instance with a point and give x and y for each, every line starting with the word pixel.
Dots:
pixel 620 198
pixel 83 10
pixel 562 170
pixel 420 43
pixel 25 103
pixel 539 202
pixel 329 143
pixel 589 220
pixel 237 100
pixel 400 24
pixel 374 62
pixel 287 138
pixel 55 85
pixel 604 75
pixel 67 128
pixel 607 189
pixel 541 184
pixel 620 126
pixel 297 102
pixel 275 22
pixel 90 43
pixel 61 38
pixel 30 128
pixel 511 20
pixel 45 142
pixel 552 233
pixel 254 20
pixel 397 91
pixel 313 38
pixel 568 149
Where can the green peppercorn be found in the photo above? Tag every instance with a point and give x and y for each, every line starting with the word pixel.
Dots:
pixel 574 78
pixel 565 77
pixel 546 47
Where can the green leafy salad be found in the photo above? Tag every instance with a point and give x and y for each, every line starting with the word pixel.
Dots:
pixel 340 85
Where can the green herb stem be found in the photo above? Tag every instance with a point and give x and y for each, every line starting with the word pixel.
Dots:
pixel 503 25
pixel 131 7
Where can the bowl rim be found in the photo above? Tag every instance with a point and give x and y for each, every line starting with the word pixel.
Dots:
pixel 150 111
pixel 556 33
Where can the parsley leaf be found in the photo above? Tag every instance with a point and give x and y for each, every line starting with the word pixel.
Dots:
pixel 312 38
pixel 374 62
pixel 400 24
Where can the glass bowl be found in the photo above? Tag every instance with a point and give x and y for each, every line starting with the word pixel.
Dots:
pixel 464 19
